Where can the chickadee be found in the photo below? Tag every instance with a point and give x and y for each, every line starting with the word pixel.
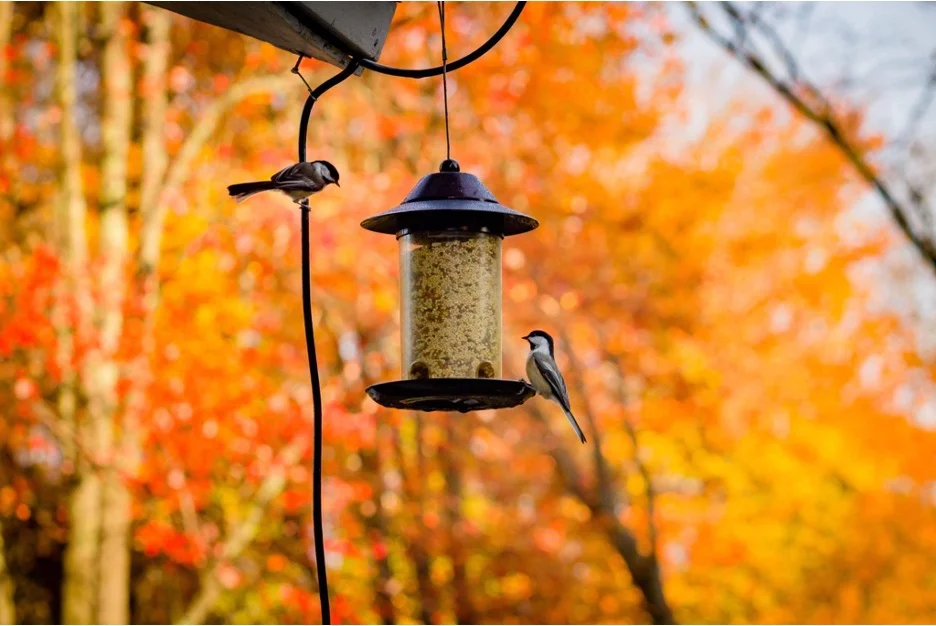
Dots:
pixel 297 181
pixel 545 376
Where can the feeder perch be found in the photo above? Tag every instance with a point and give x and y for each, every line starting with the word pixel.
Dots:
pixel 450 229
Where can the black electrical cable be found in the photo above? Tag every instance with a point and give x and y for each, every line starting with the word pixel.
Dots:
pixel 429 72
pixel 317 527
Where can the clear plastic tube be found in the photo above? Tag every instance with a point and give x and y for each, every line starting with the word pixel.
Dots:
pixel 450 284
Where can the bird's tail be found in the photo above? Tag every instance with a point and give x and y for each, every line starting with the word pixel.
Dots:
pixel 242 191
pixel 575 426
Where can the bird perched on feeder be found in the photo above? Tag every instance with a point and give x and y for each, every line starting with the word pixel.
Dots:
pixel 545 376
pixel 297 181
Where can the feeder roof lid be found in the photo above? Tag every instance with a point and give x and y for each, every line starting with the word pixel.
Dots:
pixel 450 199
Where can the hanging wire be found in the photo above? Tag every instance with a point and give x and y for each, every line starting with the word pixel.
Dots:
pixel 295 70
pixel 448 139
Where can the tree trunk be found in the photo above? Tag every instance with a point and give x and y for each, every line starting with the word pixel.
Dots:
pixel 114 590
pixel 644 568
pixel 155 101
pixel 6 105
pixel 427 596
pixel 464 608
pixel 7 124
pixel 377 529
pixel 7 608
pixel 154 105
pixel 71 228
pixel 7 113
pixel 414 534
pixel 80 575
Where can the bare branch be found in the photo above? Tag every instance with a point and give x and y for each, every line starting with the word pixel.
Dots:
pixel 67 436
pixel 180 168
pixel 919 109
pixel 823 118
pixel 644 569
pixel 565 464
pixel 641 466
pixel 602 473
pixel 803 17
pixel 189 513
pixel 243 533
pixel 778 46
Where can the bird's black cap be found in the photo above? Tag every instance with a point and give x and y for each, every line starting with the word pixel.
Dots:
pixel 332 170
pixel 544 335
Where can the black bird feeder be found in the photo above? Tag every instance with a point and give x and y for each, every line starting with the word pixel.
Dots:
pixel 450 229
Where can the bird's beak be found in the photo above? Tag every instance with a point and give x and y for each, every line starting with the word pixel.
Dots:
pixel 336 184
pixel 525 337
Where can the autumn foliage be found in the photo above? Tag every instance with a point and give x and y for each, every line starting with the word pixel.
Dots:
pixel 759 445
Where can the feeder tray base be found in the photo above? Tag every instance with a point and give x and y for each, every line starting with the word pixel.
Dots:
pixel 451 394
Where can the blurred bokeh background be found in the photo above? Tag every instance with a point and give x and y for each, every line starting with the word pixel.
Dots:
pixel 746 334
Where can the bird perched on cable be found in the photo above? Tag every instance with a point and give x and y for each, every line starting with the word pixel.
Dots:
pixel 545 376
pixel 297 181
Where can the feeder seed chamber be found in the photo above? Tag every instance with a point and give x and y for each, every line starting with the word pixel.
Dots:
pixel 450 229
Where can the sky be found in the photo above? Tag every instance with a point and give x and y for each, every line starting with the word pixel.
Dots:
pixel 876 52
pixel 877 55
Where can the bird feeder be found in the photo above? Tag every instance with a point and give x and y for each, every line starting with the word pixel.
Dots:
pixel 450 229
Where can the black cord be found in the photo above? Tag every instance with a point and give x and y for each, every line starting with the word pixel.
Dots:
pixel 317 523
pixel 317 529
pixel 448 139
pixel 429 72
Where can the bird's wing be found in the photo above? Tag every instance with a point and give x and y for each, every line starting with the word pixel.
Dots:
pixel 293 172
pixel 299 184
pixel 549 370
